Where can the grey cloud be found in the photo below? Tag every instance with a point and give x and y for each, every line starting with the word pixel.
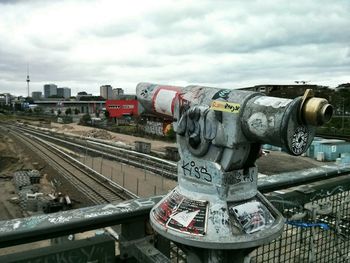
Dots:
pixel 260 26
pixel 50 44
pixel 221 43
pixel 10 2
pixel 112 30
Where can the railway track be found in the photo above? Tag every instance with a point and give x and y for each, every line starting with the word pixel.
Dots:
pixel 94 186
pixel 97 147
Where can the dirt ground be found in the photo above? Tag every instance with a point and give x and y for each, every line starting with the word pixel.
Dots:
pixel 280 162
pixel 106 135
pixel 15 156
pixel 11 159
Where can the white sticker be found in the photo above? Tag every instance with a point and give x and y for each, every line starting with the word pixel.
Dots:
pixel 258 123
pixel 164 100
pixel 253 216
pixel 334 148
pixel 272 102
pixel 271 121
pixel 185 217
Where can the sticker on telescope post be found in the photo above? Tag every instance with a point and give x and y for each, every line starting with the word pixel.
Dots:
pixel 252 216
pixel 182 214
pixel 224 106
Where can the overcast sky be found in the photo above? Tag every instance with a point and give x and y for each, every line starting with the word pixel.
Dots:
pixel 228 44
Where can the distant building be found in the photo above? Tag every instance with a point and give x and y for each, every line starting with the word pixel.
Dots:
pixel 81 95
pixel 37 95
pixel 284 91
pixel 117 92
pixel 50 105
pixel 50 90
pixel 122 108
pixel 106 92
pixel 343 87
pixel 64 92
pixel 5 99
pixel 127 97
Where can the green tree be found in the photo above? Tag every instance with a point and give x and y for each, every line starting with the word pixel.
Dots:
pixel 68 111
pixel 29 100
pixel 56 97
pixel 76 111
pixel 38 110
pixel 171 133
pixel 85 119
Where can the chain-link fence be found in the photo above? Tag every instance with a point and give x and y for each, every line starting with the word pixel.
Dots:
pixel 314 232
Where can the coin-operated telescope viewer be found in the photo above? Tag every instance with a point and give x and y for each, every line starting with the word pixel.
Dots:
pixel 216 211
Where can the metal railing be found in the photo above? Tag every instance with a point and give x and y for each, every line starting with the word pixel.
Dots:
pixel 317 225
pixel 316 208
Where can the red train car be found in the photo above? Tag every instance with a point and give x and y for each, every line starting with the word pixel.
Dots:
pixel 120 108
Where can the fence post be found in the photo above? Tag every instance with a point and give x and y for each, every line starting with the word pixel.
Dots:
pixel 85 152
pixel 101 164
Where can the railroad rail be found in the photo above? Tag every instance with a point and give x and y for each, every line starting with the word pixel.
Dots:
pixel 98 147
pixel 97 188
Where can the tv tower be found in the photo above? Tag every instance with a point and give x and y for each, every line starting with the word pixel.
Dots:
pixel 28 80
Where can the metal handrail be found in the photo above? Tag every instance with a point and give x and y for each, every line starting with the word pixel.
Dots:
pixel 40 227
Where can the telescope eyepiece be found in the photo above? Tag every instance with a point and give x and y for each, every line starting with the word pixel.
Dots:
pixel 316 111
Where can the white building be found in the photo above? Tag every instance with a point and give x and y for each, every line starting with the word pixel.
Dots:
pixel 64 92
pixel 106 92
pixel 50 90
pixel 117 92
pixel 5 99
pixel 37 95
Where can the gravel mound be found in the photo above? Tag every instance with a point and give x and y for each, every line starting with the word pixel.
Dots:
pixel 99 134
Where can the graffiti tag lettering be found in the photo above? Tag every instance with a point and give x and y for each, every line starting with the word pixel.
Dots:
pixel 238 176
pixel 199 172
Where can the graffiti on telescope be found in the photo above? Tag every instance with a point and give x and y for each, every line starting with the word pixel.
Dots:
pixel 153 127
pixel 157 128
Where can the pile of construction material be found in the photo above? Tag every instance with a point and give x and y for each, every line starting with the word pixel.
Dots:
pixel 31 199
pixel 57 202
pixel 99 134
pixel 142 147
pixel 27 178
pixel 24 182
pixel 45 124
